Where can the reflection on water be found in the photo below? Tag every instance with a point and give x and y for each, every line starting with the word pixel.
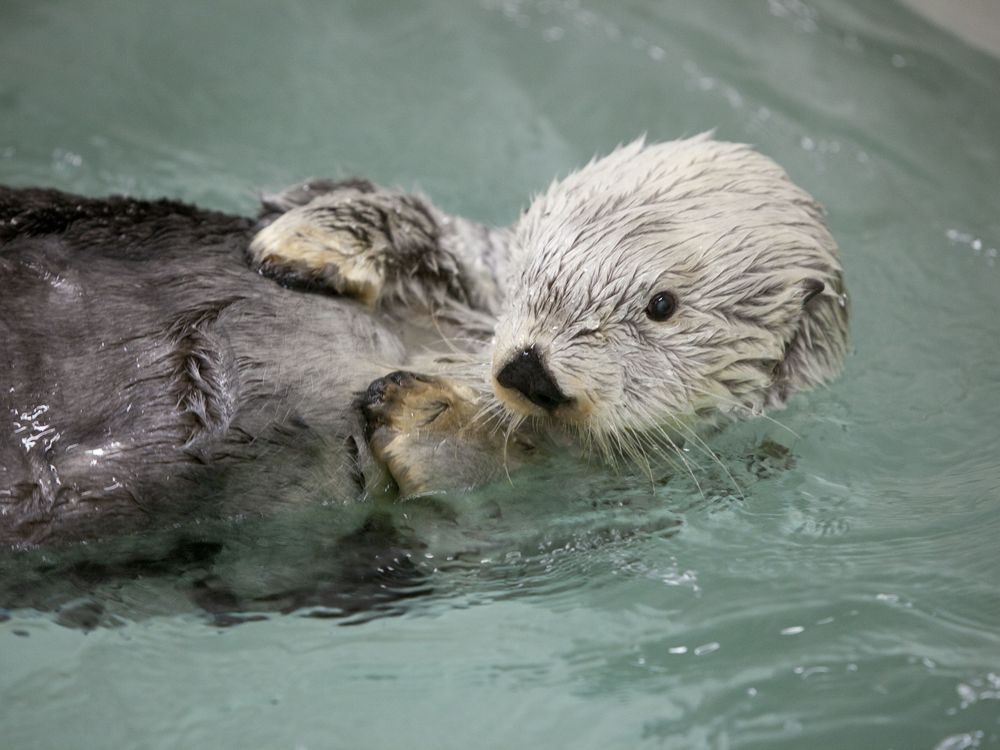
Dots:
pixel 845 596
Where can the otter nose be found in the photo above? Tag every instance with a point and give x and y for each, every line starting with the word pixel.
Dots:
pixel 526 373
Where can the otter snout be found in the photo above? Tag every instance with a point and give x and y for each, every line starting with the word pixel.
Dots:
pixel 526 373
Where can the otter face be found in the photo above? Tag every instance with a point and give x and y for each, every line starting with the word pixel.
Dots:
pixel 668 285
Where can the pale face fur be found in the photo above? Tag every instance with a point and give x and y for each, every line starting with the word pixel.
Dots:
pixel 761 308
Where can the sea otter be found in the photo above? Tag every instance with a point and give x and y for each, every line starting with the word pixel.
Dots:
pixel 656 291
pixel 150 377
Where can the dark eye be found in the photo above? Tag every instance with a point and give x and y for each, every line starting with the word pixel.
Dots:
pixel 662 306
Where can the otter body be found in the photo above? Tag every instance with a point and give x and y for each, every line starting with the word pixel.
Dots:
pixel 147 376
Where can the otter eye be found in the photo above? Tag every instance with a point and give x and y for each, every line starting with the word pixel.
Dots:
pixel 662 306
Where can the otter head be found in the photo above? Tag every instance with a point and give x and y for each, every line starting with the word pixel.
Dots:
pixel 665 285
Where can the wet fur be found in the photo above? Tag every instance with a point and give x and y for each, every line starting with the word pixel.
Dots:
pixel 158 349
pixel 148 376
pixel 762 310
pixel 762 307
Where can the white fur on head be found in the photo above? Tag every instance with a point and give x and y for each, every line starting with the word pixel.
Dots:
pixel 761 306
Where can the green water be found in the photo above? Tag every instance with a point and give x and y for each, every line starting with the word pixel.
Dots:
pixel 850 599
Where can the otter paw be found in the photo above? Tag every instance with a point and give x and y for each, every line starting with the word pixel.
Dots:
pixel 329 243
pixel 272 205
pixel 363 243
pixel 422 429
pixel 404 402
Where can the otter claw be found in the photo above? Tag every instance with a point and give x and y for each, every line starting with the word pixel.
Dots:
pixel 402 402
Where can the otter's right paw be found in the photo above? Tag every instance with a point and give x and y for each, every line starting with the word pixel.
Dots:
pixel 424 431
pixel 348 242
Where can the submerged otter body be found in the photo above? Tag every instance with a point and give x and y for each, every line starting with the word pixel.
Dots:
pixel 147 376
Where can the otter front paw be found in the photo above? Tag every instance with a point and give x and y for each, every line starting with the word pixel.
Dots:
pixel 348 242
pixel 324 245
pixel 272 205
pixel 424 430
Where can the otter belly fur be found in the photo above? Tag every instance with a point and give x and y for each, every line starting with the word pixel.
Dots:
pixel 148 377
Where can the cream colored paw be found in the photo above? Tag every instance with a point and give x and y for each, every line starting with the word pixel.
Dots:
pixel 322 245
pixel 424 430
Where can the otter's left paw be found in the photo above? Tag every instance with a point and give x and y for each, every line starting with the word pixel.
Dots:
pixel 273 205
pixel 348 242
pixel 323 245
pixel 424 430
pixel 410 417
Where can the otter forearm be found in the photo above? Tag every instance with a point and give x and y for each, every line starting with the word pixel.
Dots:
pixel 481 253
pixel 380 247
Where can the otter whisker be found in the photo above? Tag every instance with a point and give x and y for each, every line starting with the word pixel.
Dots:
pixel 604 448
pixel 737 405
pixel 514 424
pixel 489 412
pixel 703 446
pixel 655 433
pixel 632 449
pixel 449 340
pixel 673 449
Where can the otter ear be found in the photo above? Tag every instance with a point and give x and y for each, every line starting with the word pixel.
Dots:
pixel 810 288
pixel 816 349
